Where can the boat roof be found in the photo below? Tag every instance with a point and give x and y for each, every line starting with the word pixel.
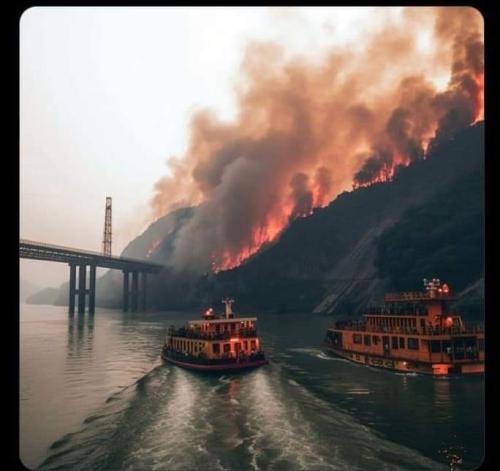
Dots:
pixel 222 321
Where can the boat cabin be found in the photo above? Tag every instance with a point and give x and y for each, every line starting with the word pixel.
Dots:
pixel 213 337
pixel 416 327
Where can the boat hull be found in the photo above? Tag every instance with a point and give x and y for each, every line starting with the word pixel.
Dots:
pixel 408 366
pixel 238 366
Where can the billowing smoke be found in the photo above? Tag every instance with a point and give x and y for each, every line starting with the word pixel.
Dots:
pixel 323 184
pixel 306 131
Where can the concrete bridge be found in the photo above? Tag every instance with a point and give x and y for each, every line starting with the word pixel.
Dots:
pixel 135 273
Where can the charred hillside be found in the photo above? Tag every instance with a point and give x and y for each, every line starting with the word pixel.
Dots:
pixel 426 222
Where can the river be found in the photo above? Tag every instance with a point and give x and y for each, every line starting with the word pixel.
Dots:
pixel 94 394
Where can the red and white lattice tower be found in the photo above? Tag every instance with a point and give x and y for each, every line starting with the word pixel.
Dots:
pixel 106 241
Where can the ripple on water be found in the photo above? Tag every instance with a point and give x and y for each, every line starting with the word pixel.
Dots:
pixel 278 417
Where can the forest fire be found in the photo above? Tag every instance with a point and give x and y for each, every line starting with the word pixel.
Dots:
pixel 265 234
pixel 479 103
pixel 305 132
pixel 386 171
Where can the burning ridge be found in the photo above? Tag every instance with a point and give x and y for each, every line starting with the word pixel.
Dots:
pixel 307 131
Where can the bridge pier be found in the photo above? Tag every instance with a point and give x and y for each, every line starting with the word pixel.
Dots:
pixel 82 288
pixel 92 289
pixel 134 291
pixel 126 293
pixel 72 288
pixel 78 260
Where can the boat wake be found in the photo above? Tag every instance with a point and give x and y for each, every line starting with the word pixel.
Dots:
pixel 325 356
pixel 263 420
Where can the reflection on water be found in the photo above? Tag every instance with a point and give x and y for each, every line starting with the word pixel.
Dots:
pixel 442 399
pixel 95 395
pixel 80 334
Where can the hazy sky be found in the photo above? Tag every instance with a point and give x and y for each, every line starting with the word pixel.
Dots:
pixel 106 95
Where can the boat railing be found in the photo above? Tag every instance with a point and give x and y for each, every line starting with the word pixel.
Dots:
pixel 417 296
pixel 428 330
pixel 471 329
pixel 202 359
pixel 394 311
pixel 195 334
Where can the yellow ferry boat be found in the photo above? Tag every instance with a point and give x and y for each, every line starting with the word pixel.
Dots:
pixel 215 343
pixel 412 332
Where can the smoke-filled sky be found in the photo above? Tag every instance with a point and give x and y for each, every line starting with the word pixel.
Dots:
pixel 261 114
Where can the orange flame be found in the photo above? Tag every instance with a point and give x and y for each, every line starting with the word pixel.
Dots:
pixel 299 122
pixel 479 104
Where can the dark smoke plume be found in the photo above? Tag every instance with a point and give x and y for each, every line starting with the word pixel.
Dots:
pixel 307 131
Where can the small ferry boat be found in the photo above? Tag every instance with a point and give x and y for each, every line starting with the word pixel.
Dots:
pixel 412 332
pixel 215 343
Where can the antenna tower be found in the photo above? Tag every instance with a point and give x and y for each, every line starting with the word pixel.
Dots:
pixel 106 241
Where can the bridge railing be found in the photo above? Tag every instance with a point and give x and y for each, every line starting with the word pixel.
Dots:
pixel 80 252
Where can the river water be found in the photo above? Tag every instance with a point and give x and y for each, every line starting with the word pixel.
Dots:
pixel 94 394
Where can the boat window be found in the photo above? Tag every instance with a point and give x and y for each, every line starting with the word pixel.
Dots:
pixel 401 342
pixel 447 347
pixel 394 343
pixel 216 348
pixel 356 338
pixel 252 344
pixel 367 340
pixel 480 345
pixel 435 346
pixel 227 348
pixel 375 340
pixel 412 343
pixel 245 344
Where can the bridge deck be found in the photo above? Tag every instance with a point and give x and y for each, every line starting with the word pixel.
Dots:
pixel 41 251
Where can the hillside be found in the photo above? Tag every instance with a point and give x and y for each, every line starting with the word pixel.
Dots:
pixel 427 222
pixel 26 289
pixel 48 295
